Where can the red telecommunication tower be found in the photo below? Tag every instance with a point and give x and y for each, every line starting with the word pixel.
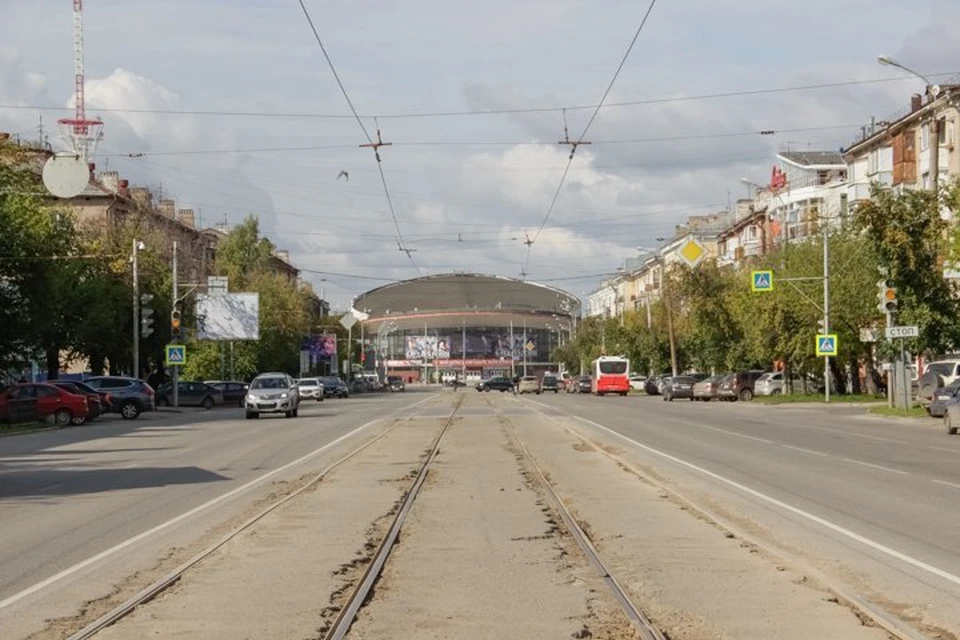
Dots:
pixel 80 133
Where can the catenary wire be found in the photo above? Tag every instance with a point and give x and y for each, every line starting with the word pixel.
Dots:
pixel 383 179
pixel 485 112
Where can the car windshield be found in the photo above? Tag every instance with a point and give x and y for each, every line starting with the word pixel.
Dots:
pixel 941 368
pixel 309 382
pixel 614 367
pixel 269 383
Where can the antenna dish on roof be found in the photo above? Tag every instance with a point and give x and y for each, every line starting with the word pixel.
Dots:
pixel 66 175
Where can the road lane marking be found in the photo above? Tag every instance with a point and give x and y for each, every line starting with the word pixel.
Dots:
pixel 876 546
pixel 942 449
pixel 877 466
pixel 726 431
pixel 183 516
pixel 810 451
pixel 949 484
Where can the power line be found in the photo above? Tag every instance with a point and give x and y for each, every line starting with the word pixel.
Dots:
pixel 580 140
pixel 505 143
pixel 486 112
pixel 370 143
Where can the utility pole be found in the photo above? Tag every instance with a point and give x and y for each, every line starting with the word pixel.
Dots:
pixel 666 302
pixel 136 311
pixel 175 374
pixel 826 304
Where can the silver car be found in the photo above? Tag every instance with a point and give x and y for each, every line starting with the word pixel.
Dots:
pixel 272 393
pixel 310 389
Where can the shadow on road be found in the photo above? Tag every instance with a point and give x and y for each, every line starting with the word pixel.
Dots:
pixel 50 482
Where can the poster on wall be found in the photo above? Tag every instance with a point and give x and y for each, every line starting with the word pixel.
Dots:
pixel 432 347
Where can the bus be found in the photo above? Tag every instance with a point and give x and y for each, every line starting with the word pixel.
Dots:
pixel 611 374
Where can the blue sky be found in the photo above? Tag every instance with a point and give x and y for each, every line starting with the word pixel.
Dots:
pixel 467 190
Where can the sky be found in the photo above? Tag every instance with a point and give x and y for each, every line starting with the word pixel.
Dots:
pixel 231 109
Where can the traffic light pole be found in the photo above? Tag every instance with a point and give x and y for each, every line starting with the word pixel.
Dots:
pixel 136 312
pixel 826 308
pixel 175 374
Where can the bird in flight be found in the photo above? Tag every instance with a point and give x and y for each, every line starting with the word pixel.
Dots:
pixel 344 175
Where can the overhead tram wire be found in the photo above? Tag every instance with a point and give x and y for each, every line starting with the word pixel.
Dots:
pixel 580 140
pixel 401 244
pixel 485 112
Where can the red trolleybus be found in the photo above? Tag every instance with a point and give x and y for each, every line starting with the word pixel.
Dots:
pixel 611 374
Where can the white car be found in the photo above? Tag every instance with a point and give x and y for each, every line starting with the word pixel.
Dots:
pixel 310 389
pixel 637 382
pixel 272 393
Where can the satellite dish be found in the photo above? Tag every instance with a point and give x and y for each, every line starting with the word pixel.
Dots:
pixel 66 175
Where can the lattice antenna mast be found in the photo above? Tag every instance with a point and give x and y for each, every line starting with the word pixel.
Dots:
pixel 80 133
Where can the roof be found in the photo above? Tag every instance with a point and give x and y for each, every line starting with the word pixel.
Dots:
pixel 812 158
pixel 464 294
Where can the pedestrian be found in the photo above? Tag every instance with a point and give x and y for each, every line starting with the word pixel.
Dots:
pixel 516 384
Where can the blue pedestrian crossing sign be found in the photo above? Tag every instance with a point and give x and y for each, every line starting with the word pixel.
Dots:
pixel 827 344
pixel 176 355
pixel 761 280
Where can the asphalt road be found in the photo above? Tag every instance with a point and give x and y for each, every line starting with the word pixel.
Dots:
pixel 68 496
pixel 872 498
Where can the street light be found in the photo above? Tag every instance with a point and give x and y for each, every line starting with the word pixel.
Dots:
pixel 932 91
pixel 138 246
pixel 658 258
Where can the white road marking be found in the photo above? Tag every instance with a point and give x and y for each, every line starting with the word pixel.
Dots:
pixel 877 466
pixel 876 546
pixel 949 484
pixel 942 449
pixel 729 433
pixel 149 532
pixel 810 451
pixel 48 487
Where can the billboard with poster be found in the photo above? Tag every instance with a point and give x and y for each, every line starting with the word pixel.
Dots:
pixel 230 316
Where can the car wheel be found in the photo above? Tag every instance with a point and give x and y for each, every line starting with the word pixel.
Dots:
pixel 776 392
pixel 252 415
pixel 746 395
pixel 288 414
pixel 129 410
pixel 207 403
pixel 77 421
pixel 948 424
pixel 296 412
pixel 62 417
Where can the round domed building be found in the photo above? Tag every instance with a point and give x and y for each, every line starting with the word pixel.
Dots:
pixel 462 327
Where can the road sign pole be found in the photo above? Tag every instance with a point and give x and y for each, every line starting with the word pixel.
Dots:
pixel 175 374
pixel 826 306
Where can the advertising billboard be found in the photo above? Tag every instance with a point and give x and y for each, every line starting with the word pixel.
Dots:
pixel 231 316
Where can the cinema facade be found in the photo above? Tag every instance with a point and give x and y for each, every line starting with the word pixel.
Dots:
pixel 463 326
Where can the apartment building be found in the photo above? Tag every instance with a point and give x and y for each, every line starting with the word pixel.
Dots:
pixel 902 151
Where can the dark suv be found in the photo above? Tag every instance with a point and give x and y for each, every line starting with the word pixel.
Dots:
pixel 128 396
pixel 738 386
pixel 550 382
pixel 499 383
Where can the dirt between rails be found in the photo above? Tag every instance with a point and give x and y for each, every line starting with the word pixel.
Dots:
pixel 483 554
pixel 694 580
pixel 288 574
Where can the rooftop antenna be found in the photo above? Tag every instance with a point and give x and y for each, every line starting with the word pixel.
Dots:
pixel 80 133
pixel 66 174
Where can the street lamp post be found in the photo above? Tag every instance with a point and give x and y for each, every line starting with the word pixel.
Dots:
pixel 658 259
pixel 932 91
pixel 137 247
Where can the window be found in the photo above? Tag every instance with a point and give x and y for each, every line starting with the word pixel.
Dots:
pixel 942 131
pixel 873 161
pixel 926 181
pixel 924 136
pixel 46 392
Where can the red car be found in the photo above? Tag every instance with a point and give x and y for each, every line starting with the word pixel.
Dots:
pixel 94 400
pixel 38 402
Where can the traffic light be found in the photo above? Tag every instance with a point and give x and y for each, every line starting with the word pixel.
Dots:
pixel 146 316
pixel 175 323
pixel 886 297
pixel 821 329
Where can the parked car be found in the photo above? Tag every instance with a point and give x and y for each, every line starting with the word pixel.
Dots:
pixel 528 384
pixel 679 387
pixel 233 391
pixel 936 375
pixel 550 382
pixel 943 397
pixel 739 386
pixel 130 396
pixel 499 383
pixel 272 393
pixel 951 419
pixel 310 389
pixel 707 389
pixel 769 384
pixel 190 393
pixel 585 384
pixel 334 387
pixel 38 402
pixel 395 383
pixel 94 400
pixel 652 386
pixel 637 382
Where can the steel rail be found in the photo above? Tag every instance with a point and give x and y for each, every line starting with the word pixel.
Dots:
pixel 348 613
pixel 644 626
pixel 125 608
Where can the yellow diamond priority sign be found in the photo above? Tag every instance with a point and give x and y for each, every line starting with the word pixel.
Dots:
pixel 692 252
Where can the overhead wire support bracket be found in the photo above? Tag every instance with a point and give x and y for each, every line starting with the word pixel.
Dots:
pixel 566 138
pixel 376 145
